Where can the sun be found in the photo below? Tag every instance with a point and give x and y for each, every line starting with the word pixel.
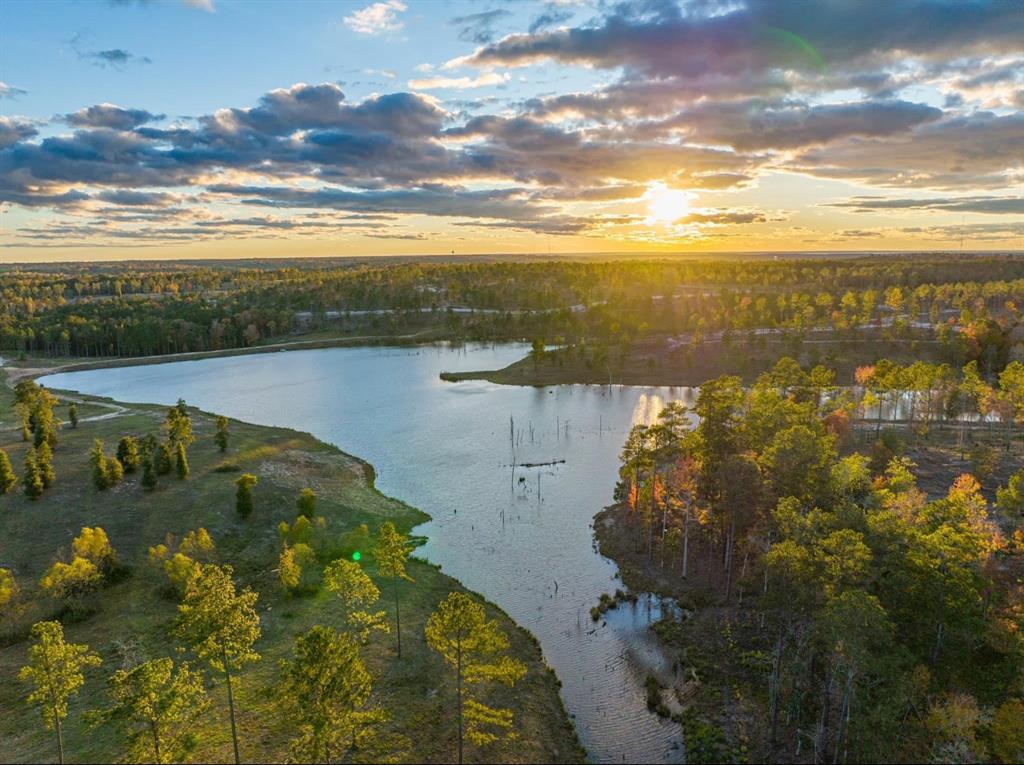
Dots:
pixel 665 205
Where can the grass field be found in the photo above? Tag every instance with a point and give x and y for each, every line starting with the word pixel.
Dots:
pixel 133 616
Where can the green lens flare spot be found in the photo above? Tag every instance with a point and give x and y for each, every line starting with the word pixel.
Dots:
pixel 357 555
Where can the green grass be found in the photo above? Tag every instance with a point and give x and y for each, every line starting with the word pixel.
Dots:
pixel 417 690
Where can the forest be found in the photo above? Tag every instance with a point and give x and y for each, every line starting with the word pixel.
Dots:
pixel 838 601
pixel 603 308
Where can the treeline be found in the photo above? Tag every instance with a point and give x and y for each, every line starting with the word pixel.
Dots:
pixel 870 623
pixel 129 313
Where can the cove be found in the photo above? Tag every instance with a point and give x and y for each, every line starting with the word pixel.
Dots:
pixel 521 536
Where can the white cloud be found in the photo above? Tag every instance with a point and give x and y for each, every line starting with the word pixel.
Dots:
pixel 203 5
pixel 459 83
pixel 377 18
pixel 9 91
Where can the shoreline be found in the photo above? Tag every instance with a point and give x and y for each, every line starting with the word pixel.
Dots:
pixel 15 373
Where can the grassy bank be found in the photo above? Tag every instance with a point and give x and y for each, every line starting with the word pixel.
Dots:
pixel 133 616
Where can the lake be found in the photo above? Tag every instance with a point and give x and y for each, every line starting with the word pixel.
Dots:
pixel 521 536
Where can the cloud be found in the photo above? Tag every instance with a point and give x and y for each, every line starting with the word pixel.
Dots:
pixel 953 234
pixel 755 125
pixel 459 83
pixel 991 205
pixel 659 39
pixel 116 58
pixel 312 107
pixel 131 198
pixel 478 27
pixel 708 96
pixel 15 129
pixel 552 16
pixel 724 217
pixel 980 150
pixel 110 116
pixel 9 91
pixel 376 19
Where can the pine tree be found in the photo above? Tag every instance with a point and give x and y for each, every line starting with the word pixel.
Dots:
pixel 7 476
pixel 221 625
pixel 156 703
pixel 179 425
pixel 221 437
pixel 164 460
pixel 148 445
pixel 33 478
pixel 98 460
pixel 306 503
pixel 393 549
pixel 243 494
pixel 73 415
pixel 476 649
pixel 326 688
pixel 44 458
pixel 54 670
pixel 115 471
pixel 128 454
pixel 357 592
pixel 181 462
pixel 9 592
pixel 149 477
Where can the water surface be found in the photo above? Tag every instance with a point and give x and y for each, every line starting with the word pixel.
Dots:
pixel 521 536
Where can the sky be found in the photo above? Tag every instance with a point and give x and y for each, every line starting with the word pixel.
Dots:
pixel 135 129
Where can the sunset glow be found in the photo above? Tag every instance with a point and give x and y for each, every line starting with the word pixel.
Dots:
pixel 320 128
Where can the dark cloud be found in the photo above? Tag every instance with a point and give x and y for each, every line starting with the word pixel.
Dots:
pixel 445 201
pixel 659 40
pixel 478 27
pixel 131 198
pixel 310 107
pixel 756 125
pixel 15 129
pixel 980 150
pixel 110 116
